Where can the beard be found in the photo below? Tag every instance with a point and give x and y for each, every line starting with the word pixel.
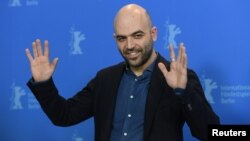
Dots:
pixel 137 56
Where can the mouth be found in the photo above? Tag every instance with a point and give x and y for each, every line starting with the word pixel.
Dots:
pixel 132 55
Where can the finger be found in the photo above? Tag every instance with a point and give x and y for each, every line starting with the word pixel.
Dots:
pixel 184 55
pixel 172 54
pixel 180 52
pixel 39 47
pixel 163 69
pixel 54 63
pixel 28 55
pixel 34 49
pixel 184 60
pixel 46 48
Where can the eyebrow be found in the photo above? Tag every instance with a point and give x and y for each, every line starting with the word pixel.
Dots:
pixel 134 33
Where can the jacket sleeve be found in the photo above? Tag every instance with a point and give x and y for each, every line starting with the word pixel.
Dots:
pixel 197 111
pixel 61 111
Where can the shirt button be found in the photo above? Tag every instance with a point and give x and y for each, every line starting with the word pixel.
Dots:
pixel 125 133
pixel 129 115
pixel 131 96
pixel 136 79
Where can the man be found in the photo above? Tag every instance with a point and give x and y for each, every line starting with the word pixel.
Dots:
pixel 145 98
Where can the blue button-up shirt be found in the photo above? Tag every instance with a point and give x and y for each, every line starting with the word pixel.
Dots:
pixel 128 121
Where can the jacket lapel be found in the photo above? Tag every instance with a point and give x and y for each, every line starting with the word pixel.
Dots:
pixel 108 100
pixel 156 89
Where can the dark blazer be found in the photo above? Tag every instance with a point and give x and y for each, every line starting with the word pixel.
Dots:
pixel 165 112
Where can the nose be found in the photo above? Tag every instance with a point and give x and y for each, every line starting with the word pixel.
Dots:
pixel 130 43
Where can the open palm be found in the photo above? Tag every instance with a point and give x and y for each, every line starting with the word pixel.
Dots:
pixel 176 77
pixel 41 68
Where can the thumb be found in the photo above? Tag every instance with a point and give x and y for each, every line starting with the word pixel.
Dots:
pixel 163 69
pixel 54 63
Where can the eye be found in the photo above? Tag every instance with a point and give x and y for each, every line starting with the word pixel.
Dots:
pixel 120 38
pixel 138 36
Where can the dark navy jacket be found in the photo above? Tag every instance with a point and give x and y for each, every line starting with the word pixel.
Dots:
pixel 165 112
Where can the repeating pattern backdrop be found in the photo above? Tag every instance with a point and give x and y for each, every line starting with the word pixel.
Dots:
pixel 80 32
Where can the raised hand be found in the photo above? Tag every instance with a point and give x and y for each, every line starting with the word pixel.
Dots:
pixel 176 77
pixel 41 68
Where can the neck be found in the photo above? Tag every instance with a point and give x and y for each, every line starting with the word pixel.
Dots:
pixel 139 70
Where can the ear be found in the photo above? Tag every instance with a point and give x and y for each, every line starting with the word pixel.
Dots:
pixel 154 33
pixel 114 35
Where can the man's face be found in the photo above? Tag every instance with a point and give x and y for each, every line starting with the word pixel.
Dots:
pixel 135 41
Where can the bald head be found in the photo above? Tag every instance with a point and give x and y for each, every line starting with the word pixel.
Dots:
pixel 132 14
